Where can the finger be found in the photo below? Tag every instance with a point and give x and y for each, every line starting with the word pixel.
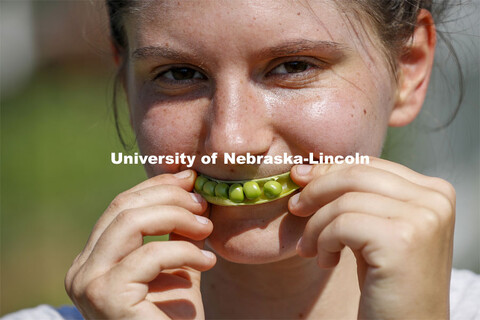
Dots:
pixel 145 263
pixel 123 288
pixel 105 297
pixel 151 192
pixel 198 243
pixel 126 232
pixel 155 195
pixel 184 179
pixel 303 174
pixel 176 237
pixel 325 189
pixel 360 232
pixel 358 202
pixel 162 194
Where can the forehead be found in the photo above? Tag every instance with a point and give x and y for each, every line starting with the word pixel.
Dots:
pixel 238 25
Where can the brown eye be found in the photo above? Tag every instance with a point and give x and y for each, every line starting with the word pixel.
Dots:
pixel 181 74
pixel 291 67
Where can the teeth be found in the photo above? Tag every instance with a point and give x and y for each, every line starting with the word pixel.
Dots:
pixel 244 192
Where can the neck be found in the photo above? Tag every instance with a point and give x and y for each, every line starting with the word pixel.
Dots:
pixel 294 288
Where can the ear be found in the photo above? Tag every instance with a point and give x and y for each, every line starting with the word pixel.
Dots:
pixel 415 67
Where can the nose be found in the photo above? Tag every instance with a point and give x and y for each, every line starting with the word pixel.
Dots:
pixel 239 120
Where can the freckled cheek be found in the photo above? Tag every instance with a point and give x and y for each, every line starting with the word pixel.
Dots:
pixel 167 130
pixel 333 123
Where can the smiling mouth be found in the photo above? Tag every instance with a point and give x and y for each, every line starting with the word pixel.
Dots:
pixel 244 192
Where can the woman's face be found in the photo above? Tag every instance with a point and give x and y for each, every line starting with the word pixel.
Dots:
pixel 264 77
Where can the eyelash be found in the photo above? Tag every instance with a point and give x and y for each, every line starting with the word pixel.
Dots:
pixel 199 76
pixel 310 66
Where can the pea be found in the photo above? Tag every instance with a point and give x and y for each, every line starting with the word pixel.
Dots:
pixel 209 188
pixel 272 189
pixel 252 190
pixel 236 193
pixel 221 190
pixel 199 183
pixel 246 192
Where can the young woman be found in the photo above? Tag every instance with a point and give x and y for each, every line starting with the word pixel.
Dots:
pixel 266 78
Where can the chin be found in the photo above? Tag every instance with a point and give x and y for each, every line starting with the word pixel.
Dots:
pixel 255 234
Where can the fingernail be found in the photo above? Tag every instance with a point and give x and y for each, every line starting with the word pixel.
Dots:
pixel 294 200
pixel 299 244
pixel 183 174
pixel 201 219
pixel 208 254
pixel 196 197
pixel 303 169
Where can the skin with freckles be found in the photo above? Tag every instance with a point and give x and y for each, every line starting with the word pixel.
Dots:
pixel 248 103
pixel 269 77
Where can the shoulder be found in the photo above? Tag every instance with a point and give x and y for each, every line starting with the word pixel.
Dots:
pixel 45 312
pixel 465 295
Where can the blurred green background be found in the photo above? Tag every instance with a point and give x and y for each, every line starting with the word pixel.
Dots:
pixel 56 181
pixel 57 133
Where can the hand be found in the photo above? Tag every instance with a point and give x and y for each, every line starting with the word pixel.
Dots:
pixel 398 223
pixel 116 276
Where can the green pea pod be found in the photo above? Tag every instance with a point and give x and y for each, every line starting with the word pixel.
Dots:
pixel 244 192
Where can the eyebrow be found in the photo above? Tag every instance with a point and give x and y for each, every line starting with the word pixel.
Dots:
pixel 284 49
pixel 303 45
pixel 151 51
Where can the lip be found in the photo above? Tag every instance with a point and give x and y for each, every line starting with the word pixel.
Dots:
pixel 287 185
